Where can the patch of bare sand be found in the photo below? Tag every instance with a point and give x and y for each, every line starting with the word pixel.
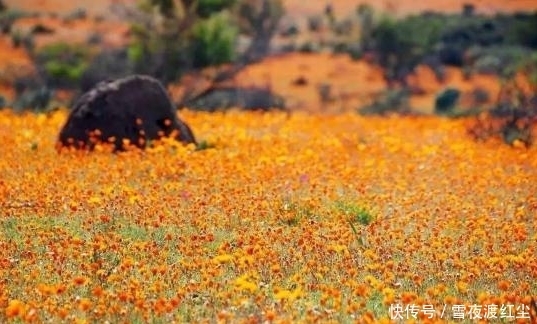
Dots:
pixel 423 78
pixel 63 7
pixel 110 33
pixel 299 78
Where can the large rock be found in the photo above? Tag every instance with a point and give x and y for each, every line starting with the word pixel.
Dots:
pixel 136 108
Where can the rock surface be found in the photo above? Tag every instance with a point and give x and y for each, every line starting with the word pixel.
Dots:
pixel 136 108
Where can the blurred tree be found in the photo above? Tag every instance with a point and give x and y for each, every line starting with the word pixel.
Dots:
pixel 400 45
pixel 514 116
pixel 173 36
pixel 213 41
pixel 259 19
pixel 206 8
pixel 366 15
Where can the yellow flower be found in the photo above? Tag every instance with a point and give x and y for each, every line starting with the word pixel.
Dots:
pixel 244 283
pixel 94 200
pixel 223 258
pixel 290 295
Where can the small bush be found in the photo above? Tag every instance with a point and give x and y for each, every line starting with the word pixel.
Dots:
pixel 222 98
pixel 325 92
pixel 290 29
pixel 291 213
pixel 514 116
pixel 36 99
pixel 77 14
pixel 353 50
pixel 480 96
pixel 309 47
pixel 206 8
pixel 63 65
pixel 390 101
pixel 446 101
pixel 522 30
pixel 502 60
pixel 204 145
pixel 315 23
pixel 213 41
pixel 355 213
pixel 8 17
pixel 400 45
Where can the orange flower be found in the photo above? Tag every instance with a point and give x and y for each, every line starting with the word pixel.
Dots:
pixel 15 308
pixel 84 304
pixel 504 285
pixel 462 287
pixel 450 300
pixel 408 297
pixel 97 292
pixel 122 236
pixel 80 281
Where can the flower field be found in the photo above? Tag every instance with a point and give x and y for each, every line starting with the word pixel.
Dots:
pixel 283 218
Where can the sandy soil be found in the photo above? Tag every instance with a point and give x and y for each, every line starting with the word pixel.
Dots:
pixel 62 7
pixel 300 77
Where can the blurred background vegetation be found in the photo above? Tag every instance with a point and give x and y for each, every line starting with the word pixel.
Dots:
pixel 169 38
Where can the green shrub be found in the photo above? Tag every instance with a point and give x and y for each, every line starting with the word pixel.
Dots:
pixel 446 101
pixel 365 14
pixel 165 7
pixel 59 70
pixel 63 64
pixel 204 145
pixel 355 213
pixel 259 19
pixel 213 40
pixel 402 44
pixel 315 23
pixel 174 36
pixel 522 29
pixel 206 8
pixel 38 99
pixel 514 116
pixel 8 17
pixel 390 101
pixel 135 52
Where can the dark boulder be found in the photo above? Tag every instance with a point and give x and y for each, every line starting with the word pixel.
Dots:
pixel 136 108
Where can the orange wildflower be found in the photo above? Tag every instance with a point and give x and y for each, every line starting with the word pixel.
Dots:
pixel 504 285
pixel 80 281
pixel 15 308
